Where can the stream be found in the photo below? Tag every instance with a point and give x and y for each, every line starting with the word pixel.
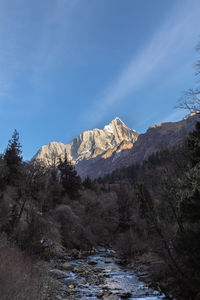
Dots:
pixel 100 277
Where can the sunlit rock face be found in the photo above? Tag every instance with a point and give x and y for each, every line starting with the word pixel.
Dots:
pixel 100 151
pixel 97 142
pixel 156 138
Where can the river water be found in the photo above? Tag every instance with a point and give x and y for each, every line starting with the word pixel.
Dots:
pixel 100 277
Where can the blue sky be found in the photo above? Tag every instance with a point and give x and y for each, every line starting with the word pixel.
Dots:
pixel 71 65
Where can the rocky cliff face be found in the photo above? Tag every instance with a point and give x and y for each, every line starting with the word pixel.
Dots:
pixel 164 135
pixel 91 144
pixel 100 151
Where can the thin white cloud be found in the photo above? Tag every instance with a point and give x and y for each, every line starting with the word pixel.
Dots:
pixel 175 116
pixel 12 42
pixel 178 31
pixel 52 46
pixel 8 63
pixel 19 51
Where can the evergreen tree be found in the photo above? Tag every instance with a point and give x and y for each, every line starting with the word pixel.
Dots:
pixel 3 173
pixel 13 159
pixel 189 210
pixel 189 206
pixel 87 183
pixel 69 179
pixel 193 145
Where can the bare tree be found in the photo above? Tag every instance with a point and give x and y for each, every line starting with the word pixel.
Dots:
pixel 191 98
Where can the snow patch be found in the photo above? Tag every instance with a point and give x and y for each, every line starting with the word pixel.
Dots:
pixel 194 112
pixel 108 128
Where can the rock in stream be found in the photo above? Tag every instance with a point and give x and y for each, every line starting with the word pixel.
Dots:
pixel 99 277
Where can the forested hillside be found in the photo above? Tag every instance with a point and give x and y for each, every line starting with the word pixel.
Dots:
pixel 161 213
pixel 149 210
pixel 45 212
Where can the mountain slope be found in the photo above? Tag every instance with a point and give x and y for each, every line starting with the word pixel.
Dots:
pixel 157 137
pixel 91 144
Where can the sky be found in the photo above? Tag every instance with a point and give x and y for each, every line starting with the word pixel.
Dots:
pixel 67 66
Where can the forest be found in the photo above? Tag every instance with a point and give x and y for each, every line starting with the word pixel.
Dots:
pixel 149 213
pixel 146 212
pixel 92 207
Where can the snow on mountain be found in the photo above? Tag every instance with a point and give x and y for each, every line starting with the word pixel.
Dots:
pixel 90 144
pixel 161 136
pixel 108 128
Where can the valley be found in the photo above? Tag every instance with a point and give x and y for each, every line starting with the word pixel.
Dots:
pixel 100 150
pixel 99 276
pixel 144 207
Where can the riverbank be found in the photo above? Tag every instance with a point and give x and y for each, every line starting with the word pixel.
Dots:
pixel 152 270
pixel 99 276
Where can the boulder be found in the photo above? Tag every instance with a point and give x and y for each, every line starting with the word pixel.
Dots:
pixel 71 286
pixel 111 253
pixel 92 262
pixel 80 269
pixel 57 274
pixel 67 267
pixel 110 297
pixel 125 295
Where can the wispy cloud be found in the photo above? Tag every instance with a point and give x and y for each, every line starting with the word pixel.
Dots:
pixel 166 46
pixel 12 44
pixel 8 64
pixel 31 40
pixel 52 47
pixel 175 116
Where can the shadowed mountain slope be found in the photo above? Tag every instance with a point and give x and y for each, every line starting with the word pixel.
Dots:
pixel 156 138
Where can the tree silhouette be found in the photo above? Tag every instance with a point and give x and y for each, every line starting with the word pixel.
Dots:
pixel 13 159
pixel 191 98
pixel 69 179
pixel 189 206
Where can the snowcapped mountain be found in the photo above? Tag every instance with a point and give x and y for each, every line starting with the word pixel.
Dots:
pixel 100 151
pixel 115 136
pixel 157 137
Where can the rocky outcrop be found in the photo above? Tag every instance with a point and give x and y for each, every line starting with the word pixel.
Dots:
pixel 91 144
pixel 156 138
pixel 100 151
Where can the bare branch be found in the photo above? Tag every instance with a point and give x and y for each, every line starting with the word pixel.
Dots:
pixel 191 98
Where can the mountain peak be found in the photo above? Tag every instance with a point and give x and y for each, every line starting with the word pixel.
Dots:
pixel 117 120
pixel 91 143
pixel 114 124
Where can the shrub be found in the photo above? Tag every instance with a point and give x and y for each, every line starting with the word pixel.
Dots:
pixel 20 278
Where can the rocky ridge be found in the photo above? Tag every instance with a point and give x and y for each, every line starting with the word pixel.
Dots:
pixel 100 151
pixel 156 138
pixel 114 137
